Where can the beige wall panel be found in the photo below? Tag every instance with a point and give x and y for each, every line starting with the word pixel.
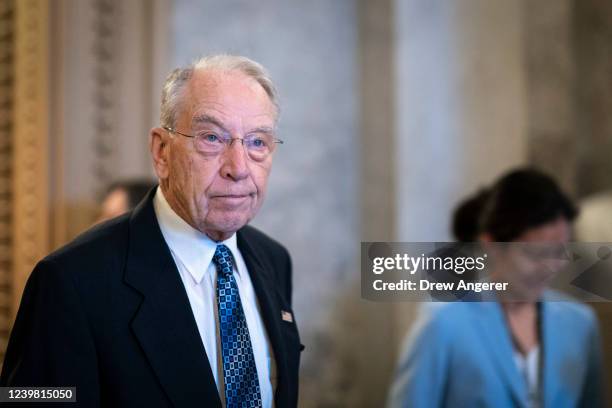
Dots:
pixel 30 142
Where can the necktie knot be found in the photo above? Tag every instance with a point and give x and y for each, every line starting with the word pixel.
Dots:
pixel 223 260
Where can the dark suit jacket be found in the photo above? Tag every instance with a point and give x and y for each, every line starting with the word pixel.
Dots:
pixel 108 313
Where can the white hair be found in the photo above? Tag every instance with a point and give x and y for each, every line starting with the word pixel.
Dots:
pixel 174 86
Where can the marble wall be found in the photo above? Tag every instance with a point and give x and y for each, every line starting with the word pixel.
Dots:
pixel 592 91
pixel 592 104
pixel 550 68
pixel 460 107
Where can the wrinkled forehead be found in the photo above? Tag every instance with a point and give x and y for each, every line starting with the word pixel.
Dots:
pixel 232 98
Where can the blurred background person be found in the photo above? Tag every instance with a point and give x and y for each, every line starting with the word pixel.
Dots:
pixel 415 105
pixel 521 348
pixel 123 196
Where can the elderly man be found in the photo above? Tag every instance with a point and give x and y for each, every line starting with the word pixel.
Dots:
pixel 179 302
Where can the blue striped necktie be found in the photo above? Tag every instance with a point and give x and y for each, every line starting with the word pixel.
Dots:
pixel 239 370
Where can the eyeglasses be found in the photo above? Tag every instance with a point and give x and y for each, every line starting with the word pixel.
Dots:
pixel 258 145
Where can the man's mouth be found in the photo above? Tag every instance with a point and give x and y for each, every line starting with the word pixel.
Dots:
pixel 233 199
pixel 234 195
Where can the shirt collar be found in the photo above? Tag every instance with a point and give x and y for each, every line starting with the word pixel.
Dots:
pixel 193 248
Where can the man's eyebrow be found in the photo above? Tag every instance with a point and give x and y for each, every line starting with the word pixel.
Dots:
pixel 204 118
pixel 262 129
pixel 207 119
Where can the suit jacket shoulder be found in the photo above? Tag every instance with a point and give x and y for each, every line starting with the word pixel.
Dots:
pixel 101 248
pixel 267 246
pixel 273 254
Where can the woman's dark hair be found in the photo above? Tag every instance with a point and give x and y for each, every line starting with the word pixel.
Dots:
pixel 521 200
pixel 466 215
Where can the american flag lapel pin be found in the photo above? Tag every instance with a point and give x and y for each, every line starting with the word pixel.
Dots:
pixel 286 316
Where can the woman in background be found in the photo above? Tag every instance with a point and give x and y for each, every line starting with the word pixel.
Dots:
pixel 123 196
pixel 522 349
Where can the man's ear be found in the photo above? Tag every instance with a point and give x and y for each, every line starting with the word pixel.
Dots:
pixel 158 144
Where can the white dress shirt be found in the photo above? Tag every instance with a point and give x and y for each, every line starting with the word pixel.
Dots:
pixel 529 367
pixel 193 253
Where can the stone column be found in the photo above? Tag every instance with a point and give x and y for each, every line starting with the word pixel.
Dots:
pixel 460 106
pixel 592 24
pixel 378 189
pixel 550 67
pixel 460 111
pixel 105 71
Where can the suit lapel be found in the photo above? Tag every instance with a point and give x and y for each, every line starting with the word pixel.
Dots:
pixel 548 349
pixel 497 339
pixel 164 324
pixel 265 290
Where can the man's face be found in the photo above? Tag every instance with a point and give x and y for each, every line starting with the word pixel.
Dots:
pixel 216 194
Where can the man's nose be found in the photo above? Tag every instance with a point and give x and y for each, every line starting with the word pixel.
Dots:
pixel 235 161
